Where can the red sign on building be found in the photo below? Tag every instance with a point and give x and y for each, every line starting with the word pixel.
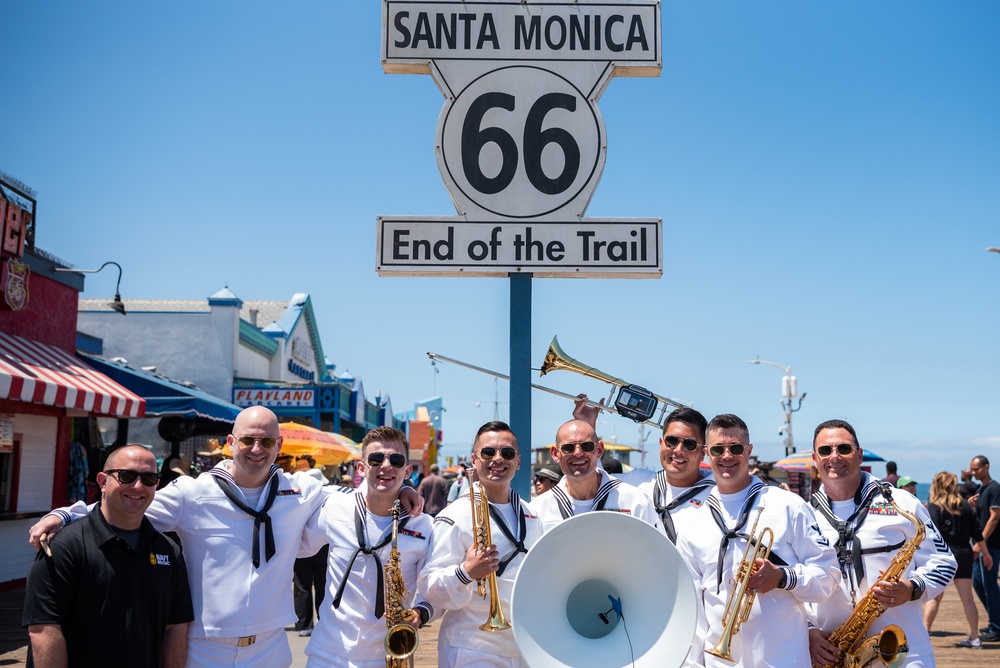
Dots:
pixel 17 216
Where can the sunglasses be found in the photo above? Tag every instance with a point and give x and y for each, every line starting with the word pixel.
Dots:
pixel 266 442
pixel 489 452
pixel 570 448
pixel 127 476
pixel 688 444
pixel 396 460
pixel 842 449
pixel 735 449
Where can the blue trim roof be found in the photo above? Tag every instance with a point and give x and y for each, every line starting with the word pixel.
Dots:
pixel 253 338
pixel 301 305
pixel 225 297
pixel 164 396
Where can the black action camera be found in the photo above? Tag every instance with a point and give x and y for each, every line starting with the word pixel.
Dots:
pixel 636 403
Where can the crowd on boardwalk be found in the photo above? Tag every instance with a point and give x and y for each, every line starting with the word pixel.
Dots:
pixel 860 548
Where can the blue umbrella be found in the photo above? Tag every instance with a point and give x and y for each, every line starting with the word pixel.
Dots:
pixel 802 461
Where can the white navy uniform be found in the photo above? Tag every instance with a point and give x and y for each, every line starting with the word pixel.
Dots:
pixel 349 633
pixel 676 507
pixel 776 632
pixel 556 505
pixel 872 538
pixel 514 528
pixel 232 597
pixel 635 477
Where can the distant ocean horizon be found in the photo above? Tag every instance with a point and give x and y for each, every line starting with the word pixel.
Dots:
pixel 924 492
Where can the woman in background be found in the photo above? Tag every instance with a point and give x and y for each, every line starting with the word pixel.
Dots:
pixel 957 523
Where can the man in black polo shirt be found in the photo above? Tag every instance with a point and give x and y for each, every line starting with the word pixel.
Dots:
pixel 115 591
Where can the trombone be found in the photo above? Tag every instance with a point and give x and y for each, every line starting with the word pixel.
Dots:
pixel 556 359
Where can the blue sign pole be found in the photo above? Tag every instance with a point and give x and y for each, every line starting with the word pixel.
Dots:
pixel 520 377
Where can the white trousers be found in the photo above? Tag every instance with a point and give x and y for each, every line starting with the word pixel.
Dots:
pixel 329 661
pixel 461 657
pixel 270 649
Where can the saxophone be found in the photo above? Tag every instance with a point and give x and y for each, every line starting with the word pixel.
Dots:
pixel 400 638
pixel 889 646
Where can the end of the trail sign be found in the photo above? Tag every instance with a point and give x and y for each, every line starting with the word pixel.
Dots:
pixel 588 248
pixel 520 142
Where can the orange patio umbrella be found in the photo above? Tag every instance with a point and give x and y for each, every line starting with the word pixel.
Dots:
pixel 298 439
pixel 354 447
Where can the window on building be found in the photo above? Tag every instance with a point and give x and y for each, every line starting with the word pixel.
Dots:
pixel 8 476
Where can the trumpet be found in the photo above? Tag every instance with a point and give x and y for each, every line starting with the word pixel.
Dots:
pixel 556 359
pixel 740 600
pixel 482 538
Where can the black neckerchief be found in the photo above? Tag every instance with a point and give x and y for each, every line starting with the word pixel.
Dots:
pixel 360 522
pixel 519 547
pixel 601 498
pixel 848 545
pixel 715 505
pixel 660 491
pixel 225 480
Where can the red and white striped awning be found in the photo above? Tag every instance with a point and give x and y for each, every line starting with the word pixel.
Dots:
pixel 38 373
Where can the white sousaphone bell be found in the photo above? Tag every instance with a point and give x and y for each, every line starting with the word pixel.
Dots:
pixel 570 581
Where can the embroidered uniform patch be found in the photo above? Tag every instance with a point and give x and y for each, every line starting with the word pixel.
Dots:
pixel 159 559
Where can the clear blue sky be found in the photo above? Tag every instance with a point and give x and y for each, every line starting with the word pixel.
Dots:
pixel 828 174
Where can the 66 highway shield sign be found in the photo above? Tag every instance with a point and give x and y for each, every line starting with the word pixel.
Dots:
pixel 520 137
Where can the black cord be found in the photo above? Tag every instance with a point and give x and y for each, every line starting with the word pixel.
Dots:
pixel 629 638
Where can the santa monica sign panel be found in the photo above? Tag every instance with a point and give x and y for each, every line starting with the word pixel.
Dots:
pixel 546 31
pixel 520 141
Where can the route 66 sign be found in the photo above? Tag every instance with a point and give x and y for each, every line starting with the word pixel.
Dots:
pixel 520 137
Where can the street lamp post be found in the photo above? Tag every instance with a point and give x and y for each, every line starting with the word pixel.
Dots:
pixel 117 304
pixel 642 444
pixel 789 392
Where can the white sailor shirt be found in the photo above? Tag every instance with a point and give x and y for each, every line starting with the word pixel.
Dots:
pixel 681 504
pixel 351 630
pixel 448 587
pixel 879 535
pixel 776 633
pixel 556 505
